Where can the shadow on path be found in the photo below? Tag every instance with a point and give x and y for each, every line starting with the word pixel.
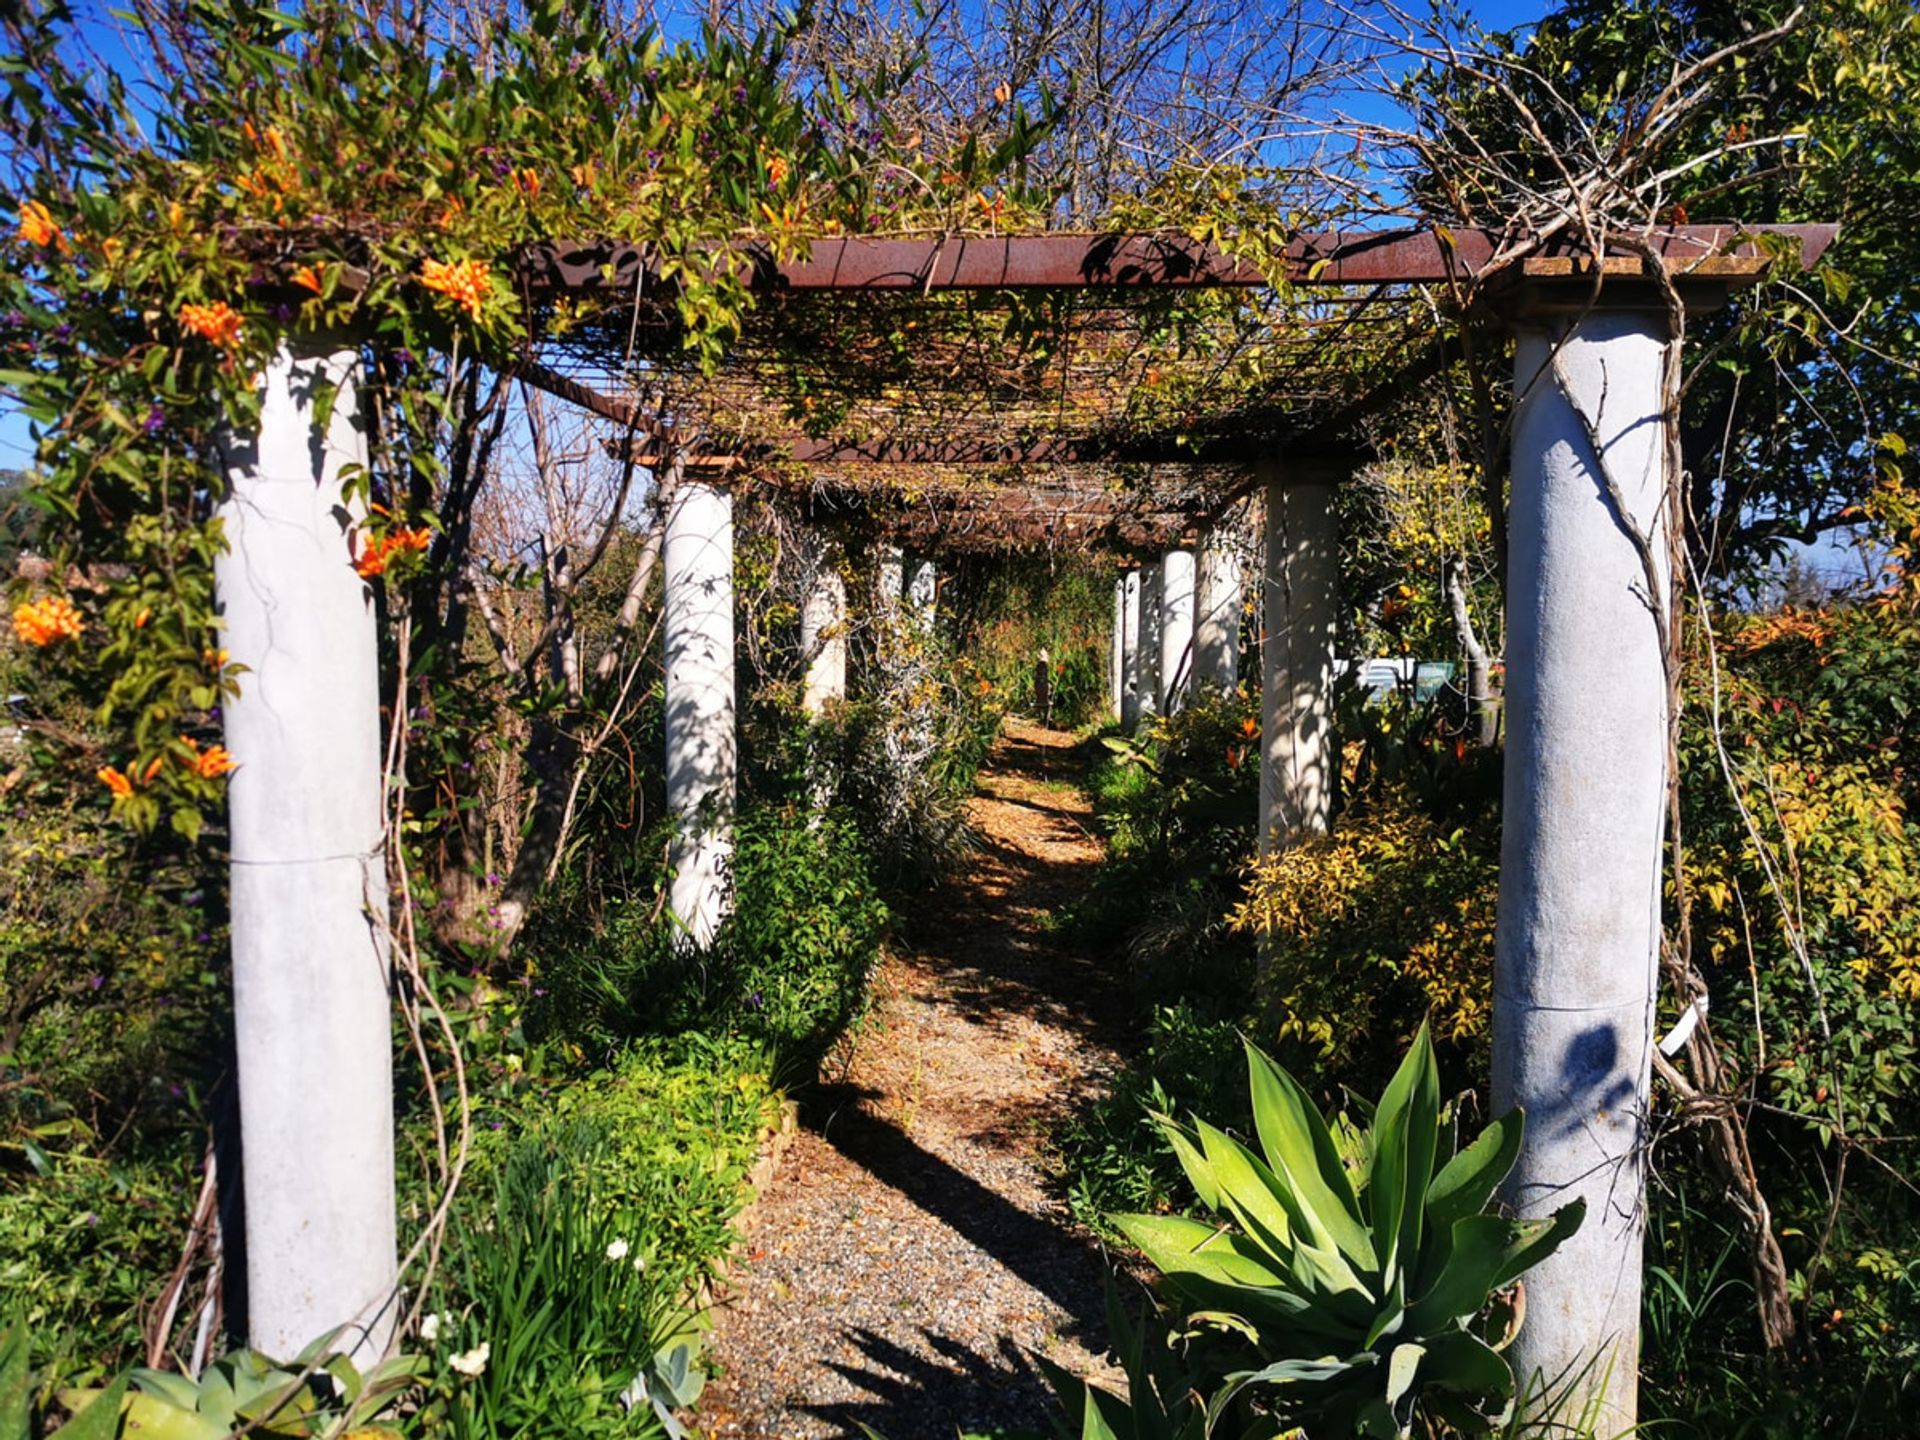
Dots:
pixel 911 1254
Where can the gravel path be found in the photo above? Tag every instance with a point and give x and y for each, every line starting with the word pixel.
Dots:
pixel 909 1251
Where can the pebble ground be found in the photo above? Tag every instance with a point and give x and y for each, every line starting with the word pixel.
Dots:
pixel 909 1254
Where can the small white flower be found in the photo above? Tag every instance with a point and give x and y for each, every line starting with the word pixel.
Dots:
pixel 430 1327
pixel 640 1263
pixel 474 1362
pixel 618 1250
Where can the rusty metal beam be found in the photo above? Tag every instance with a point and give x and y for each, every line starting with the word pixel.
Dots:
pixel 1145 260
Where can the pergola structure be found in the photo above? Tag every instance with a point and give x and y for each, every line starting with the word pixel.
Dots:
pixel 865 384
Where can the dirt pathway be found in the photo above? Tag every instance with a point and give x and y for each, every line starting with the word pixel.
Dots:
pixel 908 1252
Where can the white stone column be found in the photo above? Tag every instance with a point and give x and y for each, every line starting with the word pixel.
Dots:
pixel 923 591
pixel 1130 656
pixel 1176 629
pixel 1585 808
pixel 1152 588
pixel 888 577
pixel 1117 652
pixel 1300 608
pixel 313 1024
pixel 698 563
pixel 1216 636
pixel 823 631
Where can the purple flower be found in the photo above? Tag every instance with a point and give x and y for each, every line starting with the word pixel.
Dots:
pixel 94 982
pixel 740 94
pixel 62 332
pixel 16 319
pixel 156 420
pixel 203 937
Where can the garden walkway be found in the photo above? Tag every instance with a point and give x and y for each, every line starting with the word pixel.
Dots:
pixel 909 1250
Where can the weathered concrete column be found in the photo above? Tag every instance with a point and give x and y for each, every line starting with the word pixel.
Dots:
pixel 1216 631
pixel 1152 588
pixel 923 591
pixel 1176 629
pixel 1117 652
pixel 313 1024
pixel 1300 607
pixel 888 577
pixel 697 561
pixel 1580 857
pixel 823 630
pixel 1130 656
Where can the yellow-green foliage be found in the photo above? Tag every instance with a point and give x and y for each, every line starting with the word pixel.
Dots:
pixel 1369 929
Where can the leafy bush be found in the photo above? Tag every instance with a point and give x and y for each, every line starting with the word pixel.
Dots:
pixel 788 969
pixel 86 1243
pixel 1017 606
pixel 593 1218
pixel 1351 1282
pixel 1370 931
pixel 1111 1147
pixel 1178 805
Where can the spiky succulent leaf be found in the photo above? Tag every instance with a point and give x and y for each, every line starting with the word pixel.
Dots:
pixel 1466 1182
pixel 1405 1136
pixel 1301 1149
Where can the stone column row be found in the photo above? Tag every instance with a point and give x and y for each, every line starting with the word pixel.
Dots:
pixel 1579 908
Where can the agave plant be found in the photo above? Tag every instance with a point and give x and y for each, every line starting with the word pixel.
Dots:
pixel 317 1394
pixel 1353 1285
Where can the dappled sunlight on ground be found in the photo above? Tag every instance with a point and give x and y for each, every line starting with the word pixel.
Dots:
pixel 909 1252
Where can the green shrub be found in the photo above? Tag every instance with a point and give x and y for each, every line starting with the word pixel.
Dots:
pixel 1349 1280
pixel 1111 1150
pixel 789 968
pixel 1178 806
pixel 1017 606
pixel 591 1221
pixel 87 1243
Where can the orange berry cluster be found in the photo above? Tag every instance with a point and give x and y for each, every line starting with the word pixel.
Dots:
pixel 463 281
pixel 381 549
pixel 42 622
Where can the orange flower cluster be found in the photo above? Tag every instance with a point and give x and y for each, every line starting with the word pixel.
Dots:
pixel 777 170
pixel 42 622
pixel 122 785
pixel 309 277
pixel 463 281
pixel 218 322
pixel 381 549
pixel 210 763
pixel 37 227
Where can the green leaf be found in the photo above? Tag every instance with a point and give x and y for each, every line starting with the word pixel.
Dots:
pixel 1478 1254
pixel 1403 1367
pixel 15 1389
pixel 101 1419
pixel 1301 1150
pixel 1176 1245
pixel 1405 1136
pixel 1467 1181
pixel 1538 1239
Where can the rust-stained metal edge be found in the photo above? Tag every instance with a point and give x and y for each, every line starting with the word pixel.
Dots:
pixel 1146 260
